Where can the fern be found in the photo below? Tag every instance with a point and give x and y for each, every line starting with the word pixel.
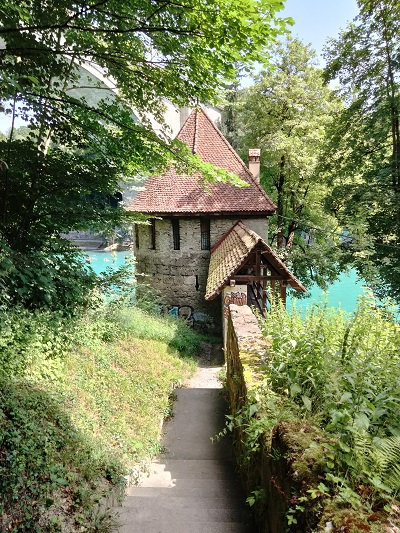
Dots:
pixel 379 460
pixel 387 456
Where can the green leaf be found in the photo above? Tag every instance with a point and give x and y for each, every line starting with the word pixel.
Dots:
pixel 295 389
pixel 253 409
pixel 307 402
pixel 361 421
pixel 343 446
pixel 345 397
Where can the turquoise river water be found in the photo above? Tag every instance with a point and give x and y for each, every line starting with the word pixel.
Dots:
pixel 100 261
pixel 342 294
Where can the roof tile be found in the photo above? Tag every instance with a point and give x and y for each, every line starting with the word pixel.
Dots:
pixel 229 254
pixel 173 193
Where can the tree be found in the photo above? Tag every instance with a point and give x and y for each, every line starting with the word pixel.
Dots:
pixel 285 114
pixel 364 144
pixel 88 133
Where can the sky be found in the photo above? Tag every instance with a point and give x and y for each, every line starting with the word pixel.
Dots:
pixel 316 20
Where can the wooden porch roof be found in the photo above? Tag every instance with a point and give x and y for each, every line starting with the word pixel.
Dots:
pixel 231 254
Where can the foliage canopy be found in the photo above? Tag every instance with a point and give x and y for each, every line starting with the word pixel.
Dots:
pixel 89 79
pixel 286 114
pixel 363 149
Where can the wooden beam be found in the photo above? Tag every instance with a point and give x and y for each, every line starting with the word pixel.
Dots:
pixel 244 277
pixel 257 302
pixel 258 263
pixel 264 293
pixel 283 294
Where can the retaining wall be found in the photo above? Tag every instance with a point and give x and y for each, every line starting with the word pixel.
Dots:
pixel 267 470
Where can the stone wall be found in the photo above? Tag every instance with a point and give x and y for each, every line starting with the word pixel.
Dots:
pixel 246 348
pixel 181 275
pixel 219 226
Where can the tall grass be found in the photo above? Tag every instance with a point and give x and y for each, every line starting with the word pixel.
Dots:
pixel 81 400
pixel 342 374
pixel 144 325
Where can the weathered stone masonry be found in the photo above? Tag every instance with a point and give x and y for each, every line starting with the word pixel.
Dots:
pixel 181 275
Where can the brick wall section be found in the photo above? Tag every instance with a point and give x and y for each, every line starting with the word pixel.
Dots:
pixel 173 272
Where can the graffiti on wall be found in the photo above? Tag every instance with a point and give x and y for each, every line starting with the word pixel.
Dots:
pixel 182 311
pixel 234 297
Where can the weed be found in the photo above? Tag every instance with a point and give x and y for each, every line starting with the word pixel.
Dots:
pixel 340 375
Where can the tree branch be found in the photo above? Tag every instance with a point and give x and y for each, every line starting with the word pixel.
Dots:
pixel 114 31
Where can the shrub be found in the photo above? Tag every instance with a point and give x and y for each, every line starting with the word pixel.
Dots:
pixel 342 374
pixel 173 331
pixel 49 278
pixel 46 464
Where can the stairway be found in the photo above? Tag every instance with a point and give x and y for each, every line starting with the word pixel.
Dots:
pixel 192 487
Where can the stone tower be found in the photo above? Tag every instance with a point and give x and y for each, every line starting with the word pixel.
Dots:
pixel 174 250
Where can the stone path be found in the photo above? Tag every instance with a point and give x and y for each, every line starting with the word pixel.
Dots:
pixel 192 487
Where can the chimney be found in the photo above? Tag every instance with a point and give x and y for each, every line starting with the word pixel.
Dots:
pixel 254 163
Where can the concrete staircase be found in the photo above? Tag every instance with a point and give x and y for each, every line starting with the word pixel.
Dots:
pixel 192 487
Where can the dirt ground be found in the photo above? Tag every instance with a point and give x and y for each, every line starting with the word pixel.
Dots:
pixel 210 367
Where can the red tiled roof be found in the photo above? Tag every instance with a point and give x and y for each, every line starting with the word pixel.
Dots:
pixel 173 193
pixel 230 253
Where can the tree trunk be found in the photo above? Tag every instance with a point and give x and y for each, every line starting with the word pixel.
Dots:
pixel 292 228
pixel 394 110
pixel 280 201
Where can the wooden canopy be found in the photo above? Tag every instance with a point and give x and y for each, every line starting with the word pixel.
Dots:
pixel 242 255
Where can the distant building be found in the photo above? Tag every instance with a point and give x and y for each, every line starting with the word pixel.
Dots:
pixel 174 250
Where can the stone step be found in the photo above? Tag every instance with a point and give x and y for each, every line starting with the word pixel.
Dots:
pixel 192 487
pixel 199 416
pixel 178 526
pixel 185 498
pixel 172 469
pixel 167 481
pixel 163 511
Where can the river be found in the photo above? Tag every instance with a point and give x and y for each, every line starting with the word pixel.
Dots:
pixel 99 261
pixel 342 294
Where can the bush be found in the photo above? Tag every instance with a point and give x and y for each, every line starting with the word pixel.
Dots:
pixel 49 278
pixel 173 331
pixel 34 340
pixel 46 464
pixel 342 374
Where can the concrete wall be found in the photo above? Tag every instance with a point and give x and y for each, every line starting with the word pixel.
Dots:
pixel 181 275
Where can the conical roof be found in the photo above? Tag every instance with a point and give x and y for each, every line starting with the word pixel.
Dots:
pixel 174 193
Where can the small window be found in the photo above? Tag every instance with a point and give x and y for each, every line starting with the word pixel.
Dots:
pixel 205 233
pixel 176 234
pixel 137 236
pixel 152 230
